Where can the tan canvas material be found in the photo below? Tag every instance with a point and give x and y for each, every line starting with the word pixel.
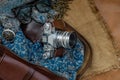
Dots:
pixel 110 11
pixel 110 75
pixel 85 18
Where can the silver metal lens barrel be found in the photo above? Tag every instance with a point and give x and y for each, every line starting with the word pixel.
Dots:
pixel 65 39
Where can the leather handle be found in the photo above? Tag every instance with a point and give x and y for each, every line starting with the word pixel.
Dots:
pixel 12 64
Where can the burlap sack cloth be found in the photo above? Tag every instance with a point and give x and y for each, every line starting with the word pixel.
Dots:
pixel 110 12
pixel 86 20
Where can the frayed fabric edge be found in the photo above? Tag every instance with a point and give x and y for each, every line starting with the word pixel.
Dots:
pixel 91 75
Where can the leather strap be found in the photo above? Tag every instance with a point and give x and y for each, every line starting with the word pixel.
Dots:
pixel 14 68
pixel 2 58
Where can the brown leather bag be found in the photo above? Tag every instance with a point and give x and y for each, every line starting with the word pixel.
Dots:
pixel 14 68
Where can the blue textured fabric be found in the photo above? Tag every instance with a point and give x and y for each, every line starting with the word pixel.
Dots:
pixel 66 66
pixel 7 5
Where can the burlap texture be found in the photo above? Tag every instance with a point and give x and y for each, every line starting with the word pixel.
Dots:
pixel 87 22
pixel 110 12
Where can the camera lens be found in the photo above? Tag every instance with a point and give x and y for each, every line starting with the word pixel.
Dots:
pixel 8 34
pixel 72 39
pixel 65 39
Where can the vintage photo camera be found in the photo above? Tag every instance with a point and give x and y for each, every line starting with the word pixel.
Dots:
pixel 53 39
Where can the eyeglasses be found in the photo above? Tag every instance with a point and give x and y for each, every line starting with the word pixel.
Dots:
pixel 24 12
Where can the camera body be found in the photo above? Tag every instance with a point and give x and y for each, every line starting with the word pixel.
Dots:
pixel 54 39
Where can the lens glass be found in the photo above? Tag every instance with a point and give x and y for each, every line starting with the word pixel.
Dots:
pixel 72 39
pixel 8 35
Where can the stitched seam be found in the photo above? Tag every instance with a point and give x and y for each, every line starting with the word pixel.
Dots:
pixel 2 58
pixel 29 74
pixel 32 75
